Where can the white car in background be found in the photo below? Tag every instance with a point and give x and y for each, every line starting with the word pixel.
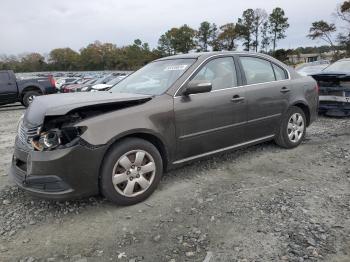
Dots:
pixel 312 68
pixel 101 87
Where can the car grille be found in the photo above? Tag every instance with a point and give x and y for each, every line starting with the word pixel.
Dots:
pixel 25 134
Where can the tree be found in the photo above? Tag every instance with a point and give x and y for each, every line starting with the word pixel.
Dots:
pixel 278 24
pixel 184 39
pixel 164 45
pixel 265 37
pixel 178 40
pixel 323 30
pixel 343 12
pixel 226 38
pixel 206 35
pixel 32 62
pixel 259 20
pixel 245 28
pixel 64 59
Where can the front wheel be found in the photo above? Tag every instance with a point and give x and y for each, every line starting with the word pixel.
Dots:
pixel 293 128
pixel 28 97
pixel 131 171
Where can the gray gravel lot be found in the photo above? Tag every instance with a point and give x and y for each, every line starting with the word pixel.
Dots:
pixel 263 203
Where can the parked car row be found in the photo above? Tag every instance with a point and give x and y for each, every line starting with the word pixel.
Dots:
pixel 88 83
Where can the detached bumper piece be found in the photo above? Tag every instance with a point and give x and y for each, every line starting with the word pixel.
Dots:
pixel 334 93
pixel 335 105
pixel 59 174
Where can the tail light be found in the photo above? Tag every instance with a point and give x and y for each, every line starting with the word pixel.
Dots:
pixel 52 81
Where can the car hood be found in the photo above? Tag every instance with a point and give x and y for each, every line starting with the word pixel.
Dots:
pixel 61 104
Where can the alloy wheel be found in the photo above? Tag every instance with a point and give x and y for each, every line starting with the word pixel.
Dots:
pixel 31 98
pixel 295 127
pixel 133 173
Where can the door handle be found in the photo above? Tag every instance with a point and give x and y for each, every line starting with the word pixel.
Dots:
pixel 237 99
pixel 285 90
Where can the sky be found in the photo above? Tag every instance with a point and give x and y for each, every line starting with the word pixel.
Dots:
pixel 41 25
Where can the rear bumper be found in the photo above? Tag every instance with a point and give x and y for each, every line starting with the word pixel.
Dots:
pixel 60 174
pixel 334 105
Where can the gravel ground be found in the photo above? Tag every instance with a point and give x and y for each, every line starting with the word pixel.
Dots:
pixel 262 203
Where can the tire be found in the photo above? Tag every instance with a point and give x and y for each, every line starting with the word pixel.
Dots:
pixel 28 96
pixel 293 122
pixel 122 181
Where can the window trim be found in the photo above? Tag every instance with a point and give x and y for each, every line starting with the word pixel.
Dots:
pixel 206 61
pixel 235 72
pixel 274 71
pixel 245 84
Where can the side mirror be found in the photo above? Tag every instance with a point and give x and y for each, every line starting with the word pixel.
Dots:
pixel 196 87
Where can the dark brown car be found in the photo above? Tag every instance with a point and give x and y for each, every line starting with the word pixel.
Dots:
pixel 172 111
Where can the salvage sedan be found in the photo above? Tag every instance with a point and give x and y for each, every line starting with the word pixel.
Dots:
pixel 170 112
pixel 334 83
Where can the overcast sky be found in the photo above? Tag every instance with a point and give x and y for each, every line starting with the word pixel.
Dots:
pixel 41 25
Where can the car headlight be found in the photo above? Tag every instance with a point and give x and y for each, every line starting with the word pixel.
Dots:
pixel 57 138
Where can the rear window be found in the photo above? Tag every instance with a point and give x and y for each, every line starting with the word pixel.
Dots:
pixel 4 76
pixel 280 73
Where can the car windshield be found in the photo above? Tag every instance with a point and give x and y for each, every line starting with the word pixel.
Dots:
pixel 154 78
pixel 114 80
pixel 342 66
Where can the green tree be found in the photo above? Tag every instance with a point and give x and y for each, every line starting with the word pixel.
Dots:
pixel 64 59
pixel 226 37
pixel 206 35
pixel 322 30
pixel 184 39
pixel 278 25
pixel 165 46
pixel 32 62
pixel 343 39
pixel 245 28
pixel 265 37
pixel 259 20
pixel 178 40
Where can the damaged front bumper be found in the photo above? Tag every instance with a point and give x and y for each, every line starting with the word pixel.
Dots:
pixel 59 174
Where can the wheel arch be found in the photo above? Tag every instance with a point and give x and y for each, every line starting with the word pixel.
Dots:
pixel 30 88
pixel 146 135
pixel 303 106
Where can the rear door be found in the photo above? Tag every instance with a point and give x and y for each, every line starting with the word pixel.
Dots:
pixel 267 90
pixel 215 120
pixel 8 88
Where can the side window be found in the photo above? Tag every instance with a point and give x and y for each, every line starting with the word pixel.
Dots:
pixel 220 72
pixel 4 77
pixel 257 70
pixel 279 72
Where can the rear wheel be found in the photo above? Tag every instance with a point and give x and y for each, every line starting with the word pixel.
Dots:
pixel 293 128
pixel 131 171
pixel 28 97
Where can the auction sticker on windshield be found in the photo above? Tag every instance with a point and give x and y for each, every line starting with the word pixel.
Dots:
pixel 175 67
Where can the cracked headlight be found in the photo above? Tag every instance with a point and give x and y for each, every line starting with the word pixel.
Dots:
pixel 57 138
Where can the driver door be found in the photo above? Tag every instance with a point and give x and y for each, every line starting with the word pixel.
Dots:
pixel 211 121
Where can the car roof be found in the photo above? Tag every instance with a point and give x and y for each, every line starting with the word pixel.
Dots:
pixel 204 55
